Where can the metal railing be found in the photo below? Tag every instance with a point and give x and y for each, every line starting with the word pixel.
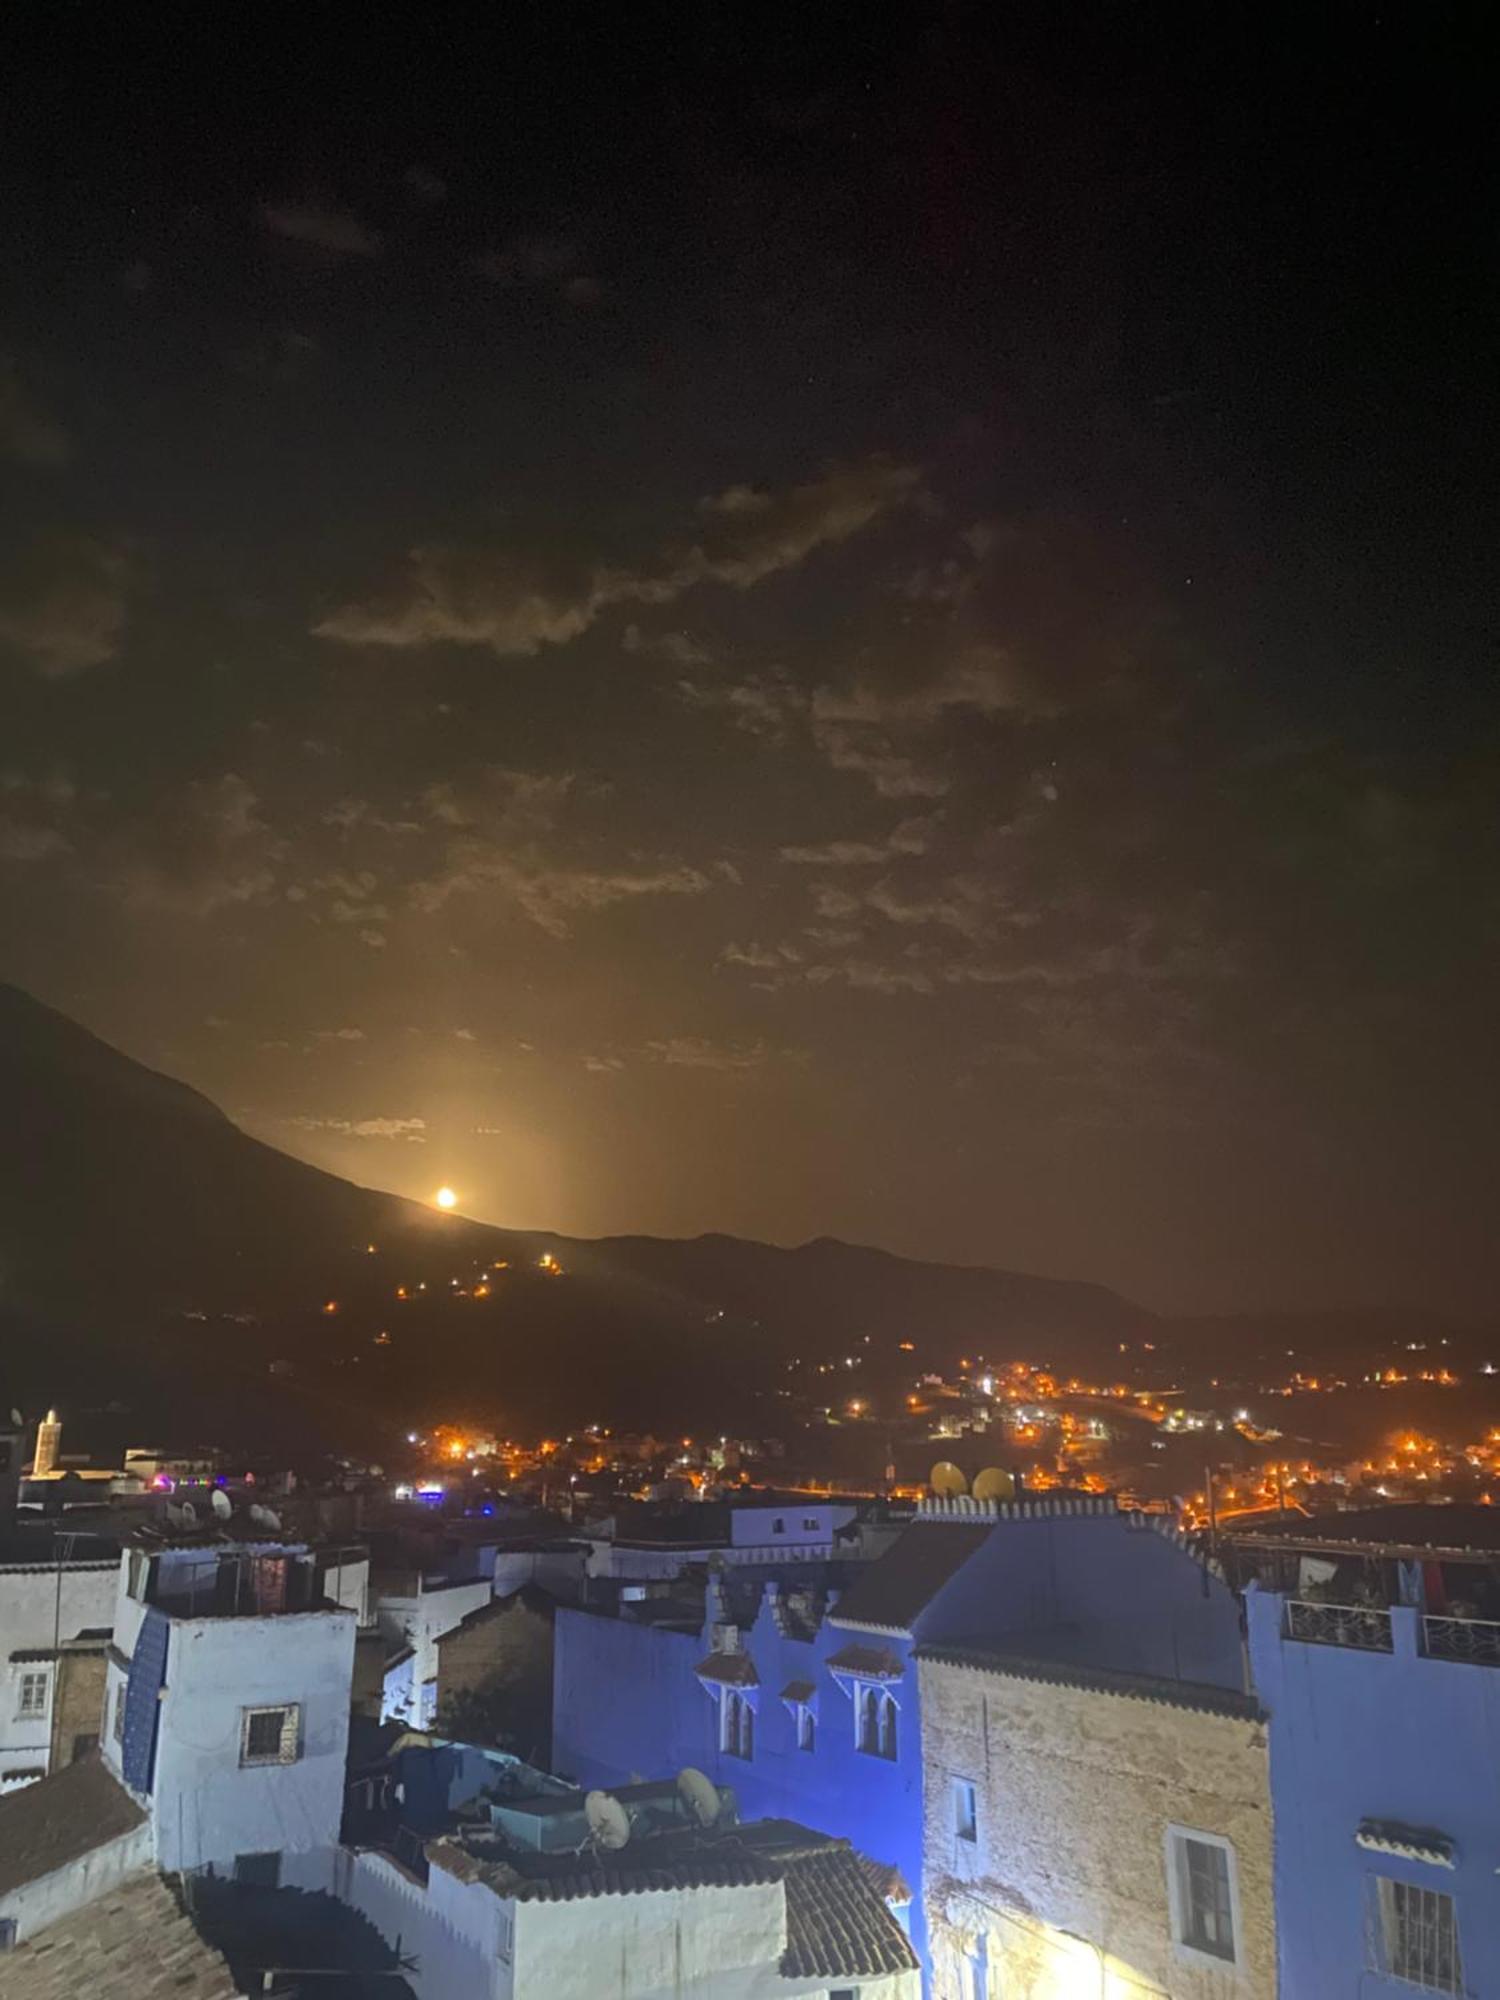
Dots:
pixel 1368 1630
pixel 1473 1640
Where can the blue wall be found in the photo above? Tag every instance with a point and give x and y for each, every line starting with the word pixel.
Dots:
pixel 1361 1735
pixel 1099 1587
pixel 1111 1590
pixel 627 1703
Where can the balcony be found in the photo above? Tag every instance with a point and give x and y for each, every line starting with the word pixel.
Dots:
pixel 1354 1625
pixel 1473 1641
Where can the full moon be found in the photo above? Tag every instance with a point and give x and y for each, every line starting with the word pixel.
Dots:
pixel 446 1198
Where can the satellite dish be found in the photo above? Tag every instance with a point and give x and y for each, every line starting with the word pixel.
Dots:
pixel 699 1794
pixel 189 1514
pixel 994 1484
pixel 264 1518
pixel 17 1419
pixel 220 1502
pixel 609 1823
pixel 178 1516
pixel 946 1480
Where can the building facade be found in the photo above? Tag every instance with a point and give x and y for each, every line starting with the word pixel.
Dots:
pixel 228 1702
pixel 1384 1725
pixel 807 1701
pixel 56 1611
pixel 1092 1833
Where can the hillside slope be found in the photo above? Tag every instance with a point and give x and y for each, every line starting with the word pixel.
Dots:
pixel 128 1200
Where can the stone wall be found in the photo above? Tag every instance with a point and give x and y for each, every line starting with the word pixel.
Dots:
pixel 77 1702
pixel 1064 1890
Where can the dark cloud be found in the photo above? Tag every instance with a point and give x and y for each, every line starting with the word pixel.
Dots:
pixel 27 433
pixel 516 605
pixel 62 602
pixel 325 227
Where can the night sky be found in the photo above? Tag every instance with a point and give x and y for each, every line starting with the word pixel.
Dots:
pixel 727 625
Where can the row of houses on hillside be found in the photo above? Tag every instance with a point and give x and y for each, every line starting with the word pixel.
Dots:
pixel 1034 1750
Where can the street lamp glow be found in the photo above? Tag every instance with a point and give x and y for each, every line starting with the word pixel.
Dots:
pixel 446 1198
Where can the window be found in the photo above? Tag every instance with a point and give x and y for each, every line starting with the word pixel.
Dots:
pixel 809 1524
pixel 1203 1894
pixel 8 1926
pixel 270 1735
pixel 965 1810
pixel 32 1701
pixel 258 1871
pixel 875 1720
pixel 778 1526
pixel 807 1726
pixel 1415 1936
pixel 736 1725
pixel 119 1721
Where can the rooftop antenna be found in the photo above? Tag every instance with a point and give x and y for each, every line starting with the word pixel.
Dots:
pixel 946 1480
pixel 699 1794
pixel 221 1503
pixel 994 1483
pixel 609 1823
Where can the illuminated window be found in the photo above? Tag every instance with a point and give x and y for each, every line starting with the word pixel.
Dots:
pixel 875 1720
pixel 270 1735
pixel 33 1695
pixel 965 1810
pixel 736 1725
pixel 1204 1895
pixel 1415 1936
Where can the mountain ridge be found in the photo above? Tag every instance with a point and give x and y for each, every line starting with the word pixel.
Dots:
pixel 134 1213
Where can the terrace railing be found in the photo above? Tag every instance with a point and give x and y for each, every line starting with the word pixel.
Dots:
pixel 1356 1625
pixel 1475 1641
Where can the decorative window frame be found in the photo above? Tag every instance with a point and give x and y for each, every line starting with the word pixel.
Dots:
pixel 289 1748
pixel 748 1696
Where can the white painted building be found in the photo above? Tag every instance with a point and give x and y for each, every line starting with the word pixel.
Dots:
pixel 750 1913
pixel 653 1544
pixel 1092 1835
pixel 413 1617
pixel 228 1700
pixel 47 1602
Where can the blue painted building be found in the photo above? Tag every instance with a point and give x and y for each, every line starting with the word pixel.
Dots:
pixel 803 1698
pixel 1385 1757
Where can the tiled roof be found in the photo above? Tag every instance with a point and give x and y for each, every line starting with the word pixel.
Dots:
pixel 669 1861
pixel 896 1588
pixel 1466 1529
pixel 799 1691
pixel 131 1944
pixel 46 1825
pixel 731 1669
pixel 837 1926
pixel 1200 1695
pixel 1411 1843
pixel 870 1663
pixel 886 1879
